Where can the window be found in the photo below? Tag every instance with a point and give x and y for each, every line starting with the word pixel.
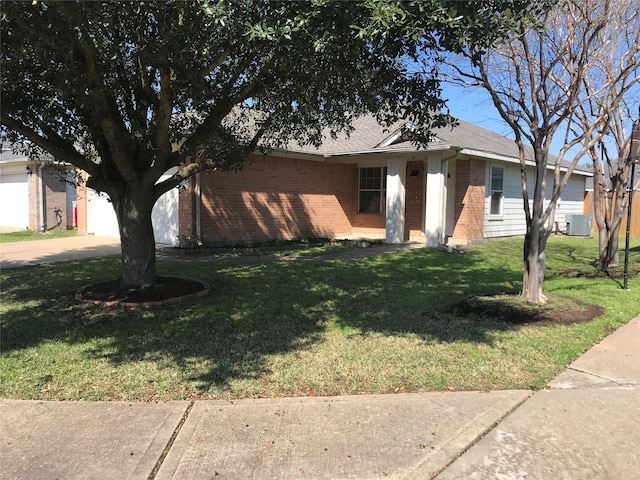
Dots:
pixel 372 194
pixel 497 190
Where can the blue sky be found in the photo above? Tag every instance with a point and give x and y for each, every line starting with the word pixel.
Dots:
pixel 474 105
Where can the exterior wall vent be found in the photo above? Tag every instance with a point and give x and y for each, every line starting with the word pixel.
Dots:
pixel 578 225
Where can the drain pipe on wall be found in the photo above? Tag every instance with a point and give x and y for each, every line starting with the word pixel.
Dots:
pixel 41 191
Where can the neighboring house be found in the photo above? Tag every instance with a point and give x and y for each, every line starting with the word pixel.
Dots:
pixel 35 194
pixel 634 229
pixel 463 188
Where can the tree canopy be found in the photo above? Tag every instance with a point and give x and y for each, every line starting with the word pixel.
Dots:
pixel 568 78
pixel 127 90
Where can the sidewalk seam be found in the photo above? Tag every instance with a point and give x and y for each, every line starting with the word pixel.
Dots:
pixel 172 439
pixel 484 434
pixel 602 377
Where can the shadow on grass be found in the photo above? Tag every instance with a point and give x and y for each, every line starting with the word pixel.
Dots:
pixel 255 310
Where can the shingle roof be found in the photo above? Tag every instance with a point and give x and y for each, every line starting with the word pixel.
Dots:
pixel 8 156
pixel 369 136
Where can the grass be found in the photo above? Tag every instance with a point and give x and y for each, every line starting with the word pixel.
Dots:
pixel 28 235
pixel 372 325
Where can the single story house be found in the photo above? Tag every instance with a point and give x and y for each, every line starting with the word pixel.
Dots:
pixel 463 188
pixel 35 194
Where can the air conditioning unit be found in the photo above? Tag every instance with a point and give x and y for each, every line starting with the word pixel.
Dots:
pixel 578 225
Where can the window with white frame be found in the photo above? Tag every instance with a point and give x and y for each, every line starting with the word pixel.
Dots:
pixel 497 190
pixel 372 191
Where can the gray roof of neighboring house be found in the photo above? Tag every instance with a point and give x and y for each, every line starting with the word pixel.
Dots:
pixel 588 184
pixel 7 155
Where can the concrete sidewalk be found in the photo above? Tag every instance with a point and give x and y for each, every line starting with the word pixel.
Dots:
pixel 586 425
pixel 35 252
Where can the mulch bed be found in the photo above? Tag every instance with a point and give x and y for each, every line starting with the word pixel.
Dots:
pixel 509 310
pixel 167 290
pixel 614 272
pixel 266 247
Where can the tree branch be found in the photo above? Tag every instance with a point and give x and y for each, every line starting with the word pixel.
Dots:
pixel 217 61
pixel 58 148
pixel 106 109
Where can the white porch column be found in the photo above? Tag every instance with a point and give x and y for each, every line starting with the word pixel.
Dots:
pixel 434 206
pixel 395 217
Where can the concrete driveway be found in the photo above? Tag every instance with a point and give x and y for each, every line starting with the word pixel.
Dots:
pixel 36 252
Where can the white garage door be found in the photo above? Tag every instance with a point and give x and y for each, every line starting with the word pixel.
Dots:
pixel 102 219
pixel 165 218
pixel 14 198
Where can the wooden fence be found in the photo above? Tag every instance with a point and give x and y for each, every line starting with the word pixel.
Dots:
pixel 635 215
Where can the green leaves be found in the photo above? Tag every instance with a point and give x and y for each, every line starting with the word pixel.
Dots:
pixel 130 79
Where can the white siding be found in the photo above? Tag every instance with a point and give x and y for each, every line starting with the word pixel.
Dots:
pixel 512 222
pixel 571 199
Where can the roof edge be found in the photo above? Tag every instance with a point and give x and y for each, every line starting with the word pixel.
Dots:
pixel 509 159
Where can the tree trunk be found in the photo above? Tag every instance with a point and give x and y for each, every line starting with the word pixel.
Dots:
pixel 608 243
pixel 133 210
pixel 607 220
pixel 535 240
pixel 603 248
pixel 609 212
pixel 535 243
pixel 613 249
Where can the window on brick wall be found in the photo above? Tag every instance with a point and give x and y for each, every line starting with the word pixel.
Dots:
pixel 497 190
pixel 372 191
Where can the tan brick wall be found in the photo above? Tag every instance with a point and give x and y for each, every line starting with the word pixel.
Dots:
pixel 81 202
pixel 186 218
pixel 55 198
pixel 469 200
pixel 34 202
pixel 368 223
pixel 55 189
pixel 275 197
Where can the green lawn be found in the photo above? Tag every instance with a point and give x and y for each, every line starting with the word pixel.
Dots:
pixel 27 235
pixel 372 325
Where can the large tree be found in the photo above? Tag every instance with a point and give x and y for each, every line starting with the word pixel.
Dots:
pixel 127 90
pixel 610 99
pixel 536 80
